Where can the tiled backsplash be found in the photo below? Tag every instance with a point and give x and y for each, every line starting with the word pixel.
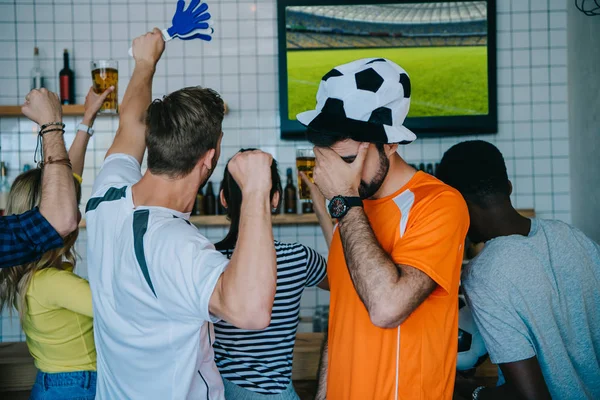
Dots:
pixel 241 63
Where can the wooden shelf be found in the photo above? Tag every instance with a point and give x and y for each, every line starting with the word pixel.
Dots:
pixel 15 111
pixel 68 111
pixel 221 220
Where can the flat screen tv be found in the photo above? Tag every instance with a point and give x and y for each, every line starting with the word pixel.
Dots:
pixel 448 49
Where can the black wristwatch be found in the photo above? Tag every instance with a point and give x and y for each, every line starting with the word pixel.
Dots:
pixel 340 205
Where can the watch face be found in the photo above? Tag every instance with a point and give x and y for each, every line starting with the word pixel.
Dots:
pixel 337 207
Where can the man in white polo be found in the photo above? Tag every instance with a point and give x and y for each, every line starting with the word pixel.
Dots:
pixel 157 283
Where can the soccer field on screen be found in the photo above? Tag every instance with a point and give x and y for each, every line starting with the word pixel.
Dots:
pixel 446 81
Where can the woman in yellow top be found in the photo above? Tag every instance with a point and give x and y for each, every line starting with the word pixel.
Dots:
pixel 54 304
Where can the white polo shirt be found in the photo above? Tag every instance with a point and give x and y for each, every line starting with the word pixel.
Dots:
pixel 152 274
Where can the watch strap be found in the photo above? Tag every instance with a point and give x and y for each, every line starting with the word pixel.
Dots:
pixel 87 129
pixel 353 201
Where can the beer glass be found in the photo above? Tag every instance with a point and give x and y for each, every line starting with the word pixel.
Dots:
pixel 105 73
pixel 305 162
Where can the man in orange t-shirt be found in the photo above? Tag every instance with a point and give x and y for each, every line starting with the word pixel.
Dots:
pixel 395 258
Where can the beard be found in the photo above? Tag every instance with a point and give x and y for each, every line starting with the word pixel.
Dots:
pixel 366 190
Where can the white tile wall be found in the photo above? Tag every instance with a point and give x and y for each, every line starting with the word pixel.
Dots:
pixel 241 63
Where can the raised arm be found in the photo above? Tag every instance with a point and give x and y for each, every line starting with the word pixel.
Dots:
pixel 93 102
pixel 58 204
pixel 245 292
pixel 390 292
pixel 131 135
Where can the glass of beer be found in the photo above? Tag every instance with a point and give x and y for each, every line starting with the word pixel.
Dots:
pixel 105 73
pixel 305 162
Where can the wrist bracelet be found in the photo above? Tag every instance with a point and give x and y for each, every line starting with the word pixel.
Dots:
pixel 50 124
pixel 60 161
pixel 42 133
pixel 475 395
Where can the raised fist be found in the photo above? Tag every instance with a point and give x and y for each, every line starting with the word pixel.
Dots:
pixel 252 171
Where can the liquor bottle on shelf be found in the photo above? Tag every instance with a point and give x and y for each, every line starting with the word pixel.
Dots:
pixel 67 81
pixel 37 78
pixel 210 201
pixel 199 204
pixel 220 209
pixel 4 188
pixel 289 194
pixel 422 167
pixel 429 169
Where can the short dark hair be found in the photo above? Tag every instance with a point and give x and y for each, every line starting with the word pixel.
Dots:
pixel 320 139
pixel 477 170
pixel 181 128
pixel 233 197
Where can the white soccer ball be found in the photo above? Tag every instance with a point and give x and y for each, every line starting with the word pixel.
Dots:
pixel 471 348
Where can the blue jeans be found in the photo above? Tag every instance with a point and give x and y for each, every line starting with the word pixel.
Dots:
pixel 80 385
pixel 235 392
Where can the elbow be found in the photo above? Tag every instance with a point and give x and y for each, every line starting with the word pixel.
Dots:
pixel 261 321
pixel 255 321
pixel 66 226
pixel 256 316
pixel 385 317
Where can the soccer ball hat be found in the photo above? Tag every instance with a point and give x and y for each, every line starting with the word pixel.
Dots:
pixel 366 100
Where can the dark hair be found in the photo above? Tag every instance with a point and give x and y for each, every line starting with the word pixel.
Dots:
pixel 181 128
pixel 477 170
pixel 233 197
pixel 324 139
pixel 327 139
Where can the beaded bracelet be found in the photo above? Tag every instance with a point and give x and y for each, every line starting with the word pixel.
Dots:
pixel 50 124
pixel 60 161
pixel 42 133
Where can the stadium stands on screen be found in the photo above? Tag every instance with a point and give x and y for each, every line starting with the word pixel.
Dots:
pixel 389 25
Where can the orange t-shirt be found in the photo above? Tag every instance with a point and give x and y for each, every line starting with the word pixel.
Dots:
pixel 422 225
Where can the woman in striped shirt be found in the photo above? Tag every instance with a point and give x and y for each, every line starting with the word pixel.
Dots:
pixel 258 364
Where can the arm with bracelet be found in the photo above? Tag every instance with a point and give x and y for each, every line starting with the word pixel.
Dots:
pixel 25 237
pixel 85 130
pixel 58 204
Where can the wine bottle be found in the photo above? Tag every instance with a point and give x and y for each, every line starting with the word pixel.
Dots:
pixel 4 188
pixel 220 209
pixel 429 169
pixel 67 81
pixel 210 201
pixel 289 195
pixel 199 203
pixel 37 79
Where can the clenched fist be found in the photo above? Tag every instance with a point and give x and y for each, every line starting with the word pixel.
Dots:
pixel 42 107
pixel 252 171
pixel 149 47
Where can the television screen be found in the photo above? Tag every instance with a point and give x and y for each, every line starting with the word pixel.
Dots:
pixel 447 48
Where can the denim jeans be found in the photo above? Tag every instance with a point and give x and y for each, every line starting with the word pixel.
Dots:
pixel 235 392
pixel 80 385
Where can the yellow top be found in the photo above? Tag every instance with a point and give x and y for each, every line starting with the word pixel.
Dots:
pixel 58 323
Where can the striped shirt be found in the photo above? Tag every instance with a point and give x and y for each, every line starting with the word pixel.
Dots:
pixel 261 361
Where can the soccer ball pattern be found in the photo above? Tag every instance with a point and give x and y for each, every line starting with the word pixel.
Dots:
pixel 363 83
pixel 366 100
pixel 471 348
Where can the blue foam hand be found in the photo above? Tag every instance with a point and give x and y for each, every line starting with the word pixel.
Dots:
pixel 205 37
pixel 186 21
